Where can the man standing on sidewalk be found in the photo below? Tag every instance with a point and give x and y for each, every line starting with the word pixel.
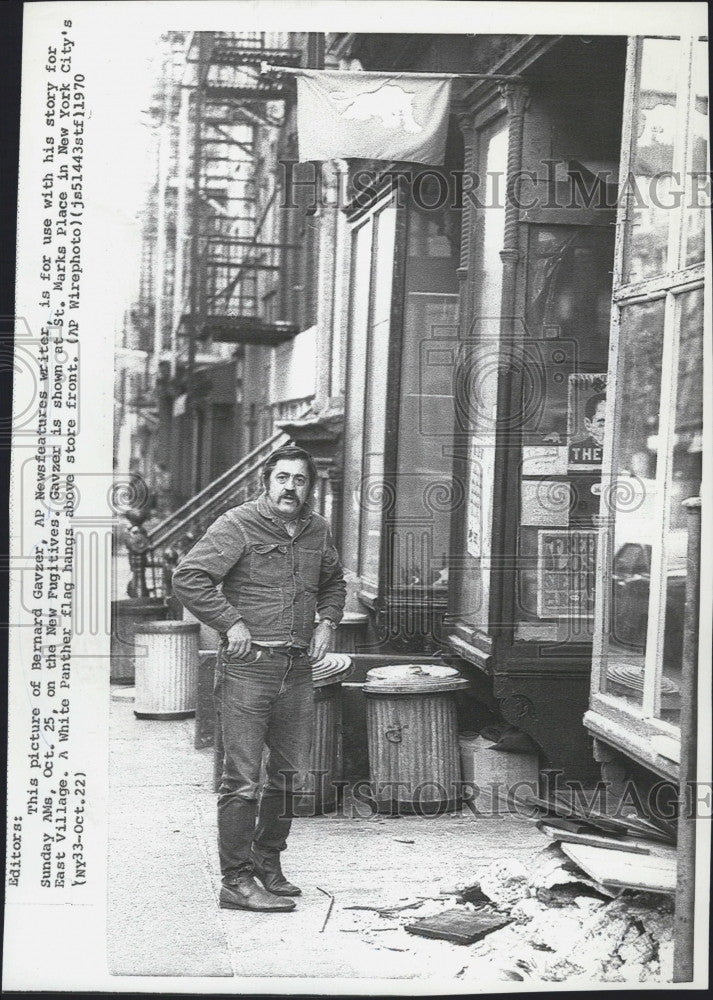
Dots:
pixel 258 576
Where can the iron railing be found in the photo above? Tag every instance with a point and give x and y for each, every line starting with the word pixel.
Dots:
pixel 172 537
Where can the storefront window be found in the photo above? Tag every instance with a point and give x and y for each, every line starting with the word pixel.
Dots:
pixel 652 159
pixel 633 500
pixel 652 458
pixel 477 384
pixel 699 182
pixel 685 483
pixel 565 358
pixel 356 383
pixel 375 403
pixel 425 494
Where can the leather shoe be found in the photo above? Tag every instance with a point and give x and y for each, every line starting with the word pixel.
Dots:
pixel 242 892
pixel 269 872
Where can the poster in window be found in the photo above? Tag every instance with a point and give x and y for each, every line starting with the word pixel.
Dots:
pixel 586 420
pixel 545 502
pixel 544 460
pixel 480 494
pixel 566 561
pixel 475 502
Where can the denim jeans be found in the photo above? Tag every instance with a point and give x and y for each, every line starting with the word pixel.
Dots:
pixel 262 700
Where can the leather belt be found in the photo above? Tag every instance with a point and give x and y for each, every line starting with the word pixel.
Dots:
pixel 285 650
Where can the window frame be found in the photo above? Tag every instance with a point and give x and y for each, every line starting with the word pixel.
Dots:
pixel 470 639
pixel 653 741
pixel 370 590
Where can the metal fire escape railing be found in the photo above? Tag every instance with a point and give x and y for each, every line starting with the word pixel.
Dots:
pixel 234 109
pixel 222 199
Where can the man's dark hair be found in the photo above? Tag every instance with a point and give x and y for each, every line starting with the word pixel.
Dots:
pixel 290 452
pixel 590 407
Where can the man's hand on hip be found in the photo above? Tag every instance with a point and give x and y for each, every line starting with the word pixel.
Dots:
pixel 239 639
pixel 321 639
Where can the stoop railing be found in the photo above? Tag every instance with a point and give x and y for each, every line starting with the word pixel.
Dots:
pixel 167 541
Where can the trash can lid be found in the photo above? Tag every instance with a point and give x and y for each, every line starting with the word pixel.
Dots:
pixel 171 627
pixel 331 669
pixel 354 617
pixel 413 678
pixel 349 618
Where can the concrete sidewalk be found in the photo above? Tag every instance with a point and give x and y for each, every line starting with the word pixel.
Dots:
pixel 163 917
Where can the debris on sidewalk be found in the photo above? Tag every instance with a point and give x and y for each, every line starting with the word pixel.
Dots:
pixel 628 940
pixel 459 925
pixel 618 860
pixel 471 894
pixel 580 836
pixel 561 925
pixel 329 908
pixel 620 870
pixel 562 809
pixel 565 926
pixel 386 911
pixel 505 882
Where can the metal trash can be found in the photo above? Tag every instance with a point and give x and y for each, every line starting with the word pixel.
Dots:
pixel 167 675
pixel 352 631
pixel 208 638
pixel 205 702
pixel 327 759
pixel 127 616
pixel 412 732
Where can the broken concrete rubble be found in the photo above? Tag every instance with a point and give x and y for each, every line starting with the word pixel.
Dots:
pixel 561 928
pixel 505 882
pixel 406 882
pixel 581 936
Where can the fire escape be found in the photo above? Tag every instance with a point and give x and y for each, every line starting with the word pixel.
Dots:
pixel 229 248
pixel 232 251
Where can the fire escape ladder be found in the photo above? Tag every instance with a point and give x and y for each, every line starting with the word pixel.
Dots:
pixel 233 106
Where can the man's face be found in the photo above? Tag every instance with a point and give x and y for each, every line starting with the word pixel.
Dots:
pixel 595 426
pixel 287 487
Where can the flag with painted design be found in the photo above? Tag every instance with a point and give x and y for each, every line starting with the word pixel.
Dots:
pixel 394 116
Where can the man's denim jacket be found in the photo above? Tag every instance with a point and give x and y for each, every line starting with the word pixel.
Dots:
pixel 272 581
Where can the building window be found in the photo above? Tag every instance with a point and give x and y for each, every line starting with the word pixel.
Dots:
pixel 652 451
pixel 377 355
pixel 373 240
pixel 563 419
pixel 298 233
pixel 425 492
pixel 476 392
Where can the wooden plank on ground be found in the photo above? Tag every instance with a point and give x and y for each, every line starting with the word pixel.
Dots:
pixel 620 869
pixel 459 925
pixel 592 839
pixel 573 826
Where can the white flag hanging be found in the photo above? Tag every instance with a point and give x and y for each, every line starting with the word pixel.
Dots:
pixel 394 116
